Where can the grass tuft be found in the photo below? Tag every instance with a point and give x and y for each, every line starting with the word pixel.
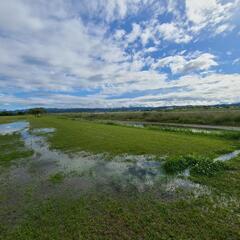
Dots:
pixel 57 178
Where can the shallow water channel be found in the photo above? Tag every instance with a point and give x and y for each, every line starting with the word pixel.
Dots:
pixel 84 171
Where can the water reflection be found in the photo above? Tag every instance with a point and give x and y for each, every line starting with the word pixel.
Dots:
pixel 11 128
pixel 228 156
pixel 142 172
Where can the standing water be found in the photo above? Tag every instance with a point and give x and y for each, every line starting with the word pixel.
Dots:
pixel 10 128
pixel 138 172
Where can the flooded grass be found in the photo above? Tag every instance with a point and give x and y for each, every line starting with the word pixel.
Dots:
pixel 83 194
pixel 101 138
pixel 12 148
pixel 57 177
pixel 10 128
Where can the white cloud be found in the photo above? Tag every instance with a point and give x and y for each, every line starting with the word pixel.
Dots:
pixel 223 28
pixel 14 16
pixel 60 47
pixel 151 49
pixel 110 10
pixel 236 61
pixel 174 33
pixel 134 34
pixel 119 34
pixel 187 90
pixel 212 14
pixel 185 64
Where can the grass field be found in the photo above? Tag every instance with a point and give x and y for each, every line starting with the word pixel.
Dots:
pixel 74 135
pixel 228 117
pixel 43 207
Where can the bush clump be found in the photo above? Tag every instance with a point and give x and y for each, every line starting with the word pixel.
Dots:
pixel 197 165
pixel 179 164
pixel 208 168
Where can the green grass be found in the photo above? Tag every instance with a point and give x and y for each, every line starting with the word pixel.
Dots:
pixel 97 138
pixel 57 177
pixel 8 119
pixel 128 215
pixel 227 182
pixel 140 216
pixel 12 148
pixel 197 165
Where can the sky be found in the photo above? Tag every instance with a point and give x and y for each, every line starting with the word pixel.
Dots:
pixel 118 53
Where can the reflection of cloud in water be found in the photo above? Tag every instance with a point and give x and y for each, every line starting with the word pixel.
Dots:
pixel 175 184
pixel 10 128
pixel 228 156
pixel 120 172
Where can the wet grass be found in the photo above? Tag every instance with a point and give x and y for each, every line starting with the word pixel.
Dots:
pixel 230 135
pixel 130 215
pixel 122 217
pixel 9 119
pixel 228 181
pixel 97 138
pixel 57 178
pixel 12 148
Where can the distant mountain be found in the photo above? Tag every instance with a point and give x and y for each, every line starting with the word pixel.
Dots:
pixel 122 109
pixel 66 110
pixel 130 109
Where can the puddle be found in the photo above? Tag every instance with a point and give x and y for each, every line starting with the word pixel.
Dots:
pixel 196 189
pixel 137 125
pixel 11 128
pixel 195 130
pixel 187 130
pixel 228 156
pixel 139 172
pixel 124 169
pixel 43 130
pixel 167 128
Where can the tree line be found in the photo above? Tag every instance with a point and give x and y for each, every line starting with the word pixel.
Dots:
pixel 32 111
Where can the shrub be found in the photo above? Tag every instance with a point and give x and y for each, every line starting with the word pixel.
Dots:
pixel 179 164
pixel 198 165
pixel 208 168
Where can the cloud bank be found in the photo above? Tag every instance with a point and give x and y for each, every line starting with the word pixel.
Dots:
pixel 113 53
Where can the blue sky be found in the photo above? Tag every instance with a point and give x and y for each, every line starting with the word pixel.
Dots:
pixel 118 53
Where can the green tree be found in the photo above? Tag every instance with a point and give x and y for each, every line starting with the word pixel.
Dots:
pixel 37 111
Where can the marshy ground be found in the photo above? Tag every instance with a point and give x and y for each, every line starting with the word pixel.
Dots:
pixel 63 177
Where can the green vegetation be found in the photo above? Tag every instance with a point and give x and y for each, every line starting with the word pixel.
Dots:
pixel 36 111
pixel 228 117
pixel 140 216
pixel 57 177
pixel 8 119
pixel 95 137
pixel 227 181
pixel 180 163
pixel 196 164
pixel 207 167
pixel 230 135
pixel 105 214
pixel 12 148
